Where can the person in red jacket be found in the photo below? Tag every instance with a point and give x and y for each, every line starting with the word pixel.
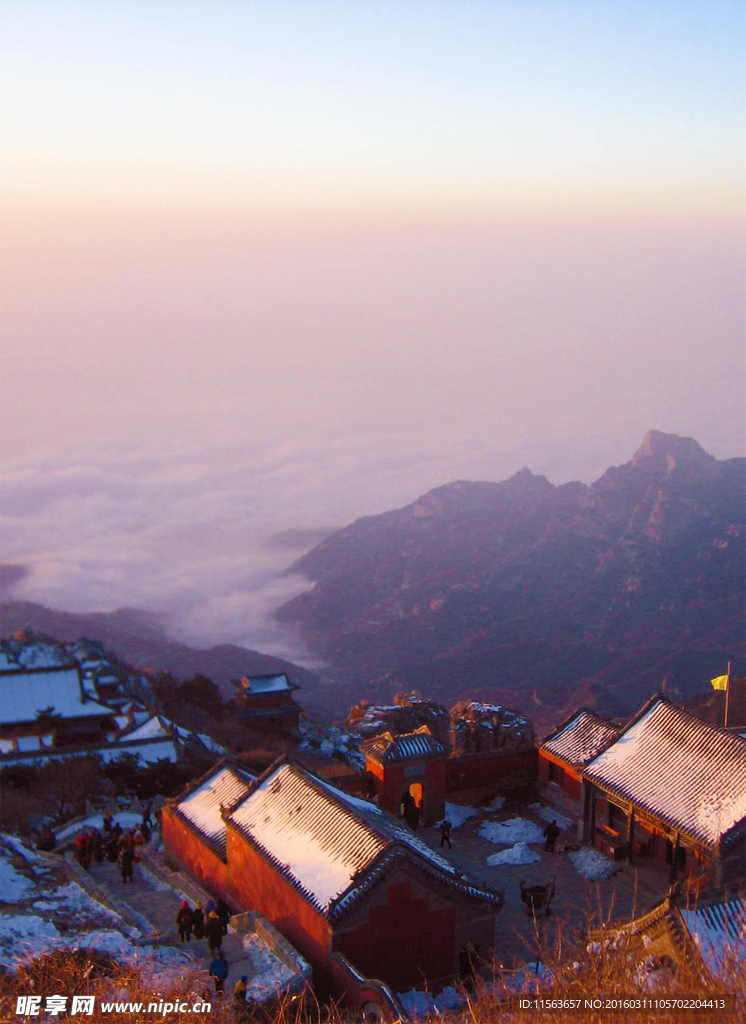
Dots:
pixel 83 844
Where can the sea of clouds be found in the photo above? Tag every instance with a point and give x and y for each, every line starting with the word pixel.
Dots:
pixel 191 533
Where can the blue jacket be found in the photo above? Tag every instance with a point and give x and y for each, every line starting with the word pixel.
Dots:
pixel 219 968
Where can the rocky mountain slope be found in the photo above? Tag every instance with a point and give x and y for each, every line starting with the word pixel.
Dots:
pixel 137 639
pixel 539 596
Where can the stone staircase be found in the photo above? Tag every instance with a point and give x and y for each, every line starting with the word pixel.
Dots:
pixel 151 901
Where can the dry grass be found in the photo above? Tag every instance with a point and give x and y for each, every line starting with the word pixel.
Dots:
pixel 609 976
pixel 88 973
pixel 602 974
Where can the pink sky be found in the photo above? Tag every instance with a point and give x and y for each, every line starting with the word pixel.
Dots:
pixel 278 265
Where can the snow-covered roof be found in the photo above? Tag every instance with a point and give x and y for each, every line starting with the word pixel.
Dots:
pixel 678 768
pixel 150 729
pixel 387 748
pixel 255 685
pixel 42 655
pixel 108 680
pixel 202 806
pixel 151 752
pixel 24 694
pixel 158 726
pixel 719 931
pixel 89 685
pixel 328 844
pixel 8 662
pixel 581 738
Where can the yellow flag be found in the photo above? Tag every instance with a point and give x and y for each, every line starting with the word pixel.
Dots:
pixel 719 683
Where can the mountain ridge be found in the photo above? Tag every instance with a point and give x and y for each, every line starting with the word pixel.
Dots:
pixel 137 638
pixel 641 565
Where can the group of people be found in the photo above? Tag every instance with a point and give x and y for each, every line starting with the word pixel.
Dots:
pixel 209 922
pixel 115 847
pixel 113 844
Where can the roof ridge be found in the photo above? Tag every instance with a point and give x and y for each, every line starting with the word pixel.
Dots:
pixel 227 761
pixel 400 850
pixel 581 710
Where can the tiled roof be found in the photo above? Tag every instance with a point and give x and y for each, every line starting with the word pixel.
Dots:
pixel 255 685
pixel 678 768
pixel 201 807
pixel 581 738
pixel 155 726
pixel 719 930
pixel 329 844
pixel 8 661
pixel 149 751
pixel 24 694
pixel 411 745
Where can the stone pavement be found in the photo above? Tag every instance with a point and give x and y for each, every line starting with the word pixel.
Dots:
pixel 155 898
pixel 578 903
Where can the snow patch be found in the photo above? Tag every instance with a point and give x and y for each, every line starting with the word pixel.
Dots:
pixel 457 814
pixel 514 830
pixel 521 853
pixel 549 814
pixel 28 855
pixel 268 975
pixel 419 1004
pixel 76 902
pixel 14 886
pixel 592 864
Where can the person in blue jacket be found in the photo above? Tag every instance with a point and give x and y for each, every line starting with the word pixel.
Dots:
pixel 219 972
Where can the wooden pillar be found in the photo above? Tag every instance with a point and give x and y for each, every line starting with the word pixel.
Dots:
pixel 716 869
pixel 630 834
pixel 675 858
pixel 588 821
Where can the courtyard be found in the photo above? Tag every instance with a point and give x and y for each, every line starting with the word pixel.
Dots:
pixel 579 903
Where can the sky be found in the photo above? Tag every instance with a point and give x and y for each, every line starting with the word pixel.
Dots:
pixel 269 265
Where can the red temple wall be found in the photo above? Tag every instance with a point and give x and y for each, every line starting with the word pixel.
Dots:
pixel 255 885
pixel 267 700
pixel 493 770
pixel 549 769
pixel 402 933
pixel 191 853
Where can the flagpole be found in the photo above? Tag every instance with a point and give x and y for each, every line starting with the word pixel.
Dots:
pixel 727 699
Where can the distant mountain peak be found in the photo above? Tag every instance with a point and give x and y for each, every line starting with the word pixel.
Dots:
pixel 526 477
pixel 662 452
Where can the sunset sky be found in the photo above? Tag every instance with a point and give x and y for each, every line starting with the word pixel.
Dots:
pixel 271 264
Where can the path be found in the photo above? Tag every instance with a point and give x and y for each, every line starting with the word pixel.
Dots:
pixel 156 897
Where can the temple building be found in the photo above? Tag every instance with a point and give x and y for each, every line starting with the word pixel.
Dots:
pixel 194 828
pixel 49 707
pixel 266 702
pixel 565 752
pixel 671 787
pixel 412 765
pixel 707 933
pixel 341 878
